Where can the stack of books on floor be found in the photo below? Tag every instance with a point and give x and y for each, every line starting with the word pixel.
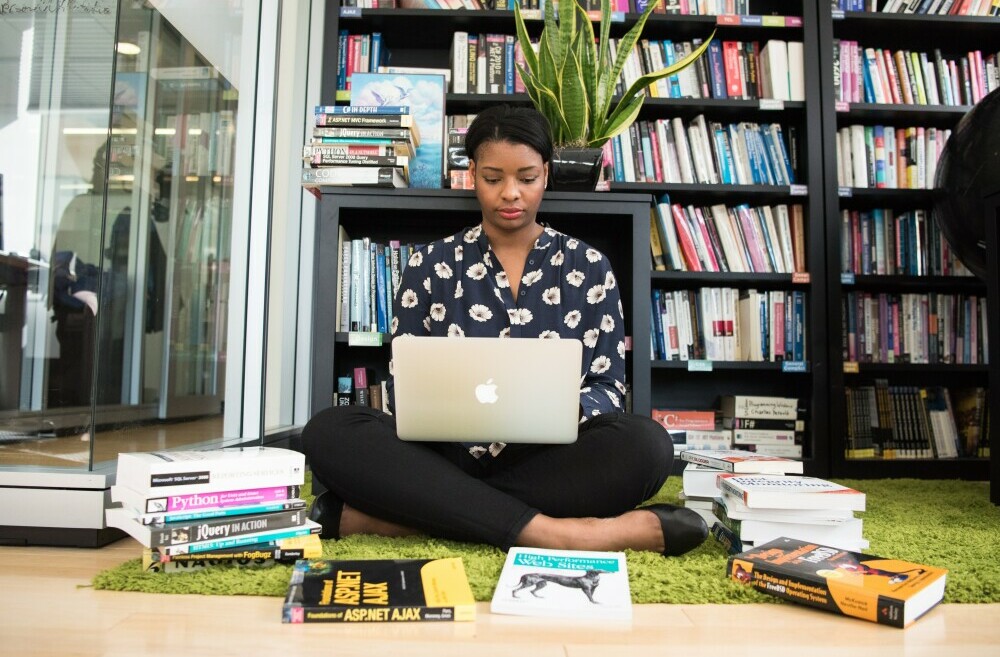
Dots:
pixel 765 425
pixel 700 479
pixel 195 509
pixel 361 146
pixel 761 498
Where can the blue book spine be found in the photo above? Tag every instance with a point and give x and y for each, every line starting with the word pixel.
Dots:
pixel 867 78
pixel 799 341
pixel 880 251
pixel 616 144
pixel 725 156
pixel 342 63
pixel 773 156
pixel 362 109
pixel 765 327
pixel 717 70
pixel 668 57
pixel 765 158
pixel 376 51
pixel 357 269
pixel 508 64
pixel 660 352
pixel 769 240
pixel 779 139
pixel 753 155
pixel 387 257
pixel 382 321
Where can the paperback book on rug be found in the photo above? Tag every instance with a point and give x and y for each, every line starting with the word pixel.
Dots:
pixel 378 590
pixel 569 583
pixel 888 591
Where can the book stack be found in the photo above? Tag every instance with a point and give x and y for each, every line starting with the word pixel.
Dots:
pixel 765 425
pixel 361 146
pixel 700 489
pixel 193 509
pixel 762 498
pixel 458 159
pixel 693 429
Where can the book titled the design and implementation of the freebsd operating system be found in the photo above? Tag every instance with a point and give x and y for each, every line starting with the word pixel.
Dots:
pixel 887 591
pixel 386 590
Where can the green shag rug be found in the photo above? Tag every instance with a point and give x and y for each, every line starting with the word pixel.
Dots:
pixel 944 523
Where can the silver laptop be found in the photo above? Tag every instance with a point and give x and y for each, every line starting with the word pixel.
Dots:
pixel 514 390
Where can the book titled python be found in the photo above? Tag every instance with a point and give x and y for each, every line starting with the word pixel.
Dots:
pixel 379 590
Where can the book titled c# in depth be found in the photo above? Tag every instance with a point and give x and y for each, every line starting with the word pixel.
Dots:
pixel 378 590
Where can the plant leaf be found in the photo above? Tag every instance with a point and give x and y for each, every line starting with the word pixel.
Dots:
pixel 574 100
pixel 618 122
pixel 530 58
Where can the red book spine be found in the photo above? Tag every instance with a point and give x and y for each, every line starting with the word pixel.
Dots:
pixel 731 59
pixel 685 238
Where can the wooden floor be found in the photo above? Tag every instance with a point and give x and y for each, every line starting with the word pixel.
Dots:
pixel 49 609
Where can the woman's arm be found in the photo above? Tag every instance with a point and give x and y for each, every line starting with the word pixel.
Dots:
pixel 603 385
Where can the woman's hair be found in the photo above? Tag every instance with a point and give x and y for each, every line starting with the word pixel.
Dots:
pixel 516 125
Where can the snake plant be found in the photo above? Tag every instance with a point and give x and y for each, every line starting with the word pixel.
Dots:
pixel 571 79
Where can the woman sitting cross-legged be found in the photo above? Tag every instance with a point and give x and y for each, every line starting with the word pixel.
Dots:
pixel 508 276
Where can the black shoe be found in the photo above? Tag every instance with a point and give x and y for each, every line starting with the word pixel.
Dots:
pixel 326 509
pixel 683 529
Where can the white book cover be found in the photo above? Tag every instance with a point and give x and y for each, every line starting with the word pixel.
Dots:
pixel 700 480
pixel 796 71
pixel 844 535
pixel 734 508
pixel 741 461
pixel 760 407
pixel 186 471
pixel 790 492
pixel 563 583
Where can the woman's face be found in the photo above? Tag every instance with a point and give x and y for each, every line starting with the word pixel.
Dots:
pixel 510 180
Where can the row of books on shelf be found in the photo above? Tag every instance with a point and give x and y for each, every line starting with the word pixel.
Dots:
pixel 886 157
pixel 929 327
pixel 927 7
pixel 737 70
pixel 361 389
pixel 879 75
pixel 886 242
pixel 706 152
pixel 720 238
pixel 369 280
pixel 195 509
pixel 727 324
pixel 486 63
pixel 911 422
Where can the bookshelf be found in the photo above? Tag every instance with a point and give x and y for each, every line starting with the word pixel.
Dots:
pixel 419 216
pixel 954 36
pixel 421 38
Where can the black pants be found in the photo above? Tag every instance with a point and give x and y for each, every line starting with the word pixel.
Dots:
pixel 618 461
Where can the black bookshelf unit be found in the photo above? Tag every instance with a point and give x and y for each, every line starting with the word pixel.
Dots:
pixel 616 224
pixel 422 38
pixel 954 36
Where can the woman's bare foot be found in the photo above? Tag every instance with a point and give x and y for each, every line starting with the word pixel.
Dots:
pixel 636 530
pixel 353 521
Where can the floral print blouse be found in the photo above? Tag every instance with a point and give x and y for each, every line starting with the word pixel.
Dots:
pixel 456 287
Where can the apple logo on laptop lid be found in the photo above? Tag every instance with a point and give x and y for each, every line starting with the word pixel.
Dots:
pixel 486 393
